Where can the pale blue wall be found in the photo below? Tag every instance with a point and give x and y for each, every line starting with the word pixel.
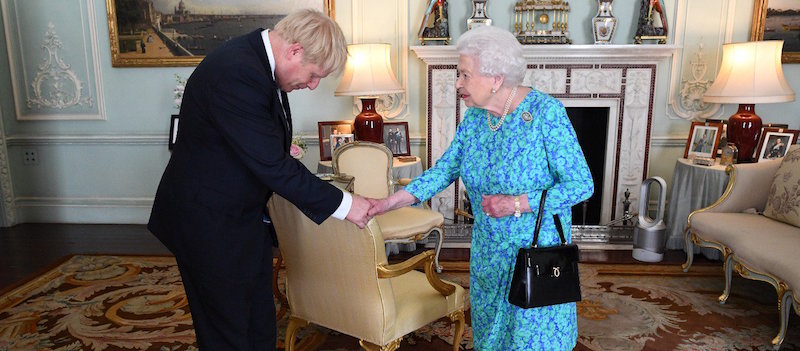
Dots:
pixel 106 171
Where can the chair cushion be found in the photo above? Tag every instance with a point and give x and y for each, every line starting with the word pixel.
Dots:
pixel 772 250
pixel 783 203
pixel 763 244
pixel 418 303
pixel 406 222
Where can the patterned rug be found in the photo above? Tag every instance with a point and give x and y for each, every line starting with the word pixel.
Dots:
pixel 137 303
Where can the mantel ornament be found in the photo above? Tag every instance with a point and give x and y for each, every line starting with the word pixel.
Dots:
pixel 435 27
pixel 541 21
pixel 647 29
pixel 604 23
pixel 479 17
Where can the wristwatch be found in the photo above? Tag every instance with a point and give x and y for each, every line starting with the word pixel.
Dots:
pixel 517 213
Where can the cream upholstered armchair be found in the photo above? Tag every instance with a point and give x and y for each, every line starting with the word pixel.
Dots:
pixel 337 276
pixel 371 165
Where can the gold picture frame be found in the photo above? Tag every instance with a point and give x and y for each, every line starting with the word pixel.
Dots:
pixel 760 30
pixel 147 29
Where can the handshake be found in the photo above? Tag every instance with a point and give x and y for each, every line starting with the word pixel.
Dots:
pixel 364 208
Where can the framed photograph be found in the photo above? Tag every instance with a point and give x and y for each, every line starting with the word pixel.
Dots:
pixel 180 33
pixel 173 131
pixel 703 140
pixel 337 140
pixel 778 19
pixel 723 137
pixel 395 137
pixel 775 143
pixel 327 128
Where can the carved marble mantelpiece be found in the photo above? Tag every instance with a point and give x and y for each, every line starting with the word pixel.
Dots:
pixel 620 77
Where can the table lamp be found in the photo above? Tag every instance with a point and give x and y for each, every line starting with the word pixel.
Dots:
pixel 367 74
pixel 750 74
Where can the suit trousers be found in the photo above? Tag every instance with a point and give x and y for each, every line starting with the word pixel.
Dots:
pixel 232 314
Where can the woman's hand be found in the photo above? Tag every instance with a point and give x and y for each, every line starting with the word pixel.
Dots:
pixel 497 206
pixel 399 199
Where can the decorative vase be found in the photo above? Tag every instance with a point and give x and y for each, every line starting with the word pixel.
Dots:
pixel 368 124
pixel 744 129
pixel 478 17
pixel 604 23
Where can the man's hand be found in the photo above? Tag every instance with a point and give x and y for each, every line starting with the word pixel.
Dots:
pixel 379 207
pixel 359 211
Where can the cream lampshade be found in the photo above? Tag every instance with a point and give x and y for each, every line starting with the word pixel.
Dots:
pixel 367 74
pixel 750 74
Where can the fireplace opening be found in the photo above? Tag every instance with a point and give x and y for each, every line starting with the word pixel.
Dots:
pixel 591 128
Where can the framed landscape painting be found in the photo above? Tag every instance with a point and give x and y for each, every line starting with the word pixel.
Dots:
pixel 778 20
pixel 181 32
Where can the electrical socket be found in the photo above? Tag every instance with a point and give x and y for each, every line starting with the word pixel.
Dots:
pixel 30 157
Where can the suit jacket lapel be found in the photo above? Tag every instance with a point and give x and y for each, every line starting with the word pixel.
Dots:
pixel 283 113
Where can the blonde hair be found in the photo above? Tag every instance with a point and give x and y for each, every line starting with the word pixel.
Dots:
pixel 321 38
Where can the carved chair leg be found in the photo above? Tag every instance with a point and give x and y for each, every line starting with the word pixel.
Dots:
pixel 689 247
pixel 784 307
pixel 291 332
pixel 728 268
pixel 276 292
pixel 439 241
pixel 368 346
pixel 458 320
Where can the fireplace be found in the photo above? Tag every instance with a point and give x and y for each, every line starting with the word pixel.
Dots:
pixel 591 128
pixel 604 87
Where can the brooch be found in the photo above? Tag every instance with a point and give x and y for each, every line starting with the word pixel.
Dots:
pixel 527 117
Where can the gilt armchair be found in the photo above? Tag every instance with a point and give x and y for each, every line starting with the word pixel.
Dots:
pixel 338 277
pixel 371 165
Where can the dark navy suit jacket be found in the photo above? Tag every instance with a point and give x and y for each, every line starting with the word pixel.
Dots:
pixel 230 155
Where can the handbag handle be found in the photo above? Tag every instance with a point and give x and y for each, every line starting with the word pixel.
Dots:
pixel 538 226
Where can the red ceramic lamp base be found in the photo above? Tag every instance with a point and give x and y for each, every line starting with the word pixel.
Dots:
pixel 369 124
pixel 744 129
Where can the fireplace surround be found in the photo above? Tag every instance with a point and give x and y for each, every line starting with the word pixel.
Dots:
pixel 620 78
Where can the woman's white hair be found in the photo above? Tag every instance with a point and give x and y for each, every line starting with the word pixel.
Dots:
pixel 496 51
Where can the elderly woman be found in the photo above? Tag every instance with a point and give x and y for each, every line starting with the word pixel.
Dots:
pixel 513 143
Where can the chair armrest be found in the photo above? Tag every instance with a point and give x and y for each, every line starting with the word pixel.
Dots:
pixel 402 181
pixel 426 259
pixel 748 187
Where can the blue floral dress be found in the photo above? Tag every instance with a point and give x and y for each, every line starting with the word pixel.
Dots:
pixel 520 157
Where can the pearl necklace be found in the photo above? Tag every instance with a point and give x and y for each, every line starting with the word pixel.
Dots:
pixel 505 112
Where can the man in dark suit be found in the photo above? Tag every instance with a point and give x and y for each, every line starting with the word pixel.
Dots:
pixel 231 154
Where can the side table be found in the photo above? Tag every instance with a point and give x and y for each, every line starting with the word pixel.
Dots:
pixel 693 187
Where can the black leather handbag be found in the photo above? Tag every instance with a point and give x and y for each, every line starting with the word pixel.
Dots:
pixel 545 276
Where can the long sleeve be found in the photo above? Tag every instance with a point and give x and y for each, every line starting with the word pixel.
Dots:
pixel 445 171
pixel 572 178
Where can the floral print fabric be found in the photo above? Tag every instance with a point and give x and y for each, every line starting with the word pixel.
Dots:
pixel 526 155
pixel 783 203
